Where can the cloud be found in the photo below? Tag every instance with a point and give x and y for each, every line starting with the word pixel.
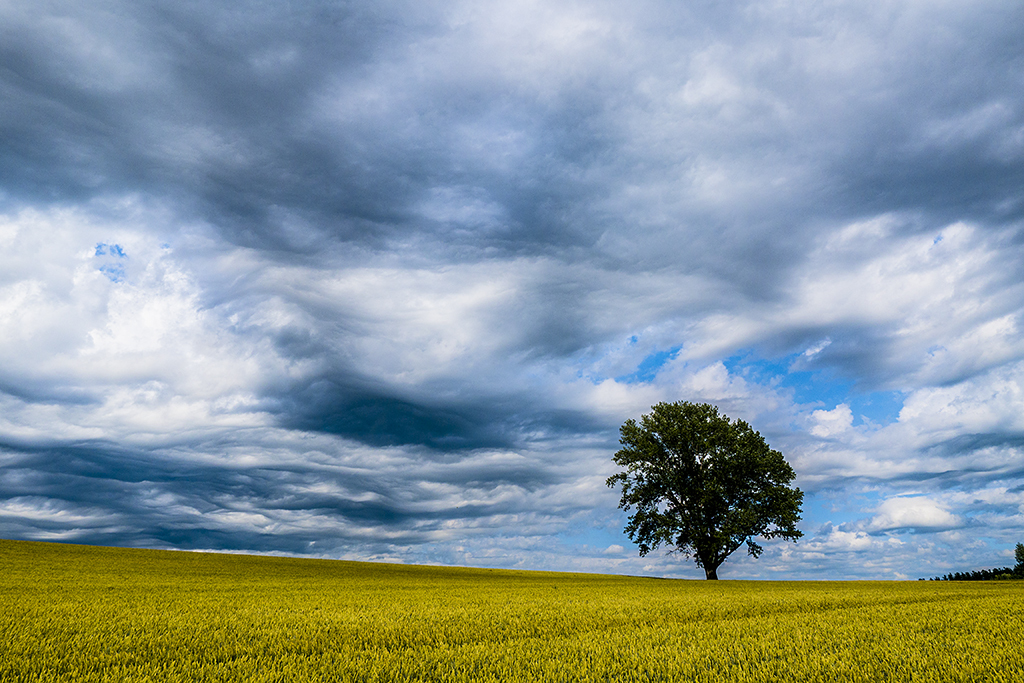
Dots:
pixel 384 281
pixel 830 422
pixel 911 513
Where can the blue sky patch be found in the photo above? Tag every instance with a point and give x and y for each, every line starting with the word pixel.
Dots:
pixel 648 368
pixel 115 250
pixel 114 273
pixel 820 388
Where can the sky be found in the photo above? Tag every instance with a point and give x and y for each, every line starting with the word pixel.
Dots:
pixel 381 280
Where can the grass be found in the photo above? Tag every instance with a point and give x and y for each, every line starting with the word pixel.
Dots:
pixel 80 613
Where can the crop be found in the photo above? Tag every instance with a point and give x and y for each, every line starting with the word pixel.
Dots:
pixel 79 613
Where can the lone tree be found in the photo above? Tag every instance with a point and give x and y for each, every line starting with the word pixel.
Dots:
pixel 703 485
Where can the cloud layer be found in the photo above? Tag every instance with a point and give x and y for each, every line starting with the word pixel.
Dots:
pixel 382 280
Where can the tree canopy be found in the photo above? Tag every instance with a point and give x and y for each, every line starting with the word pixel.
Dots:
pixel 702 484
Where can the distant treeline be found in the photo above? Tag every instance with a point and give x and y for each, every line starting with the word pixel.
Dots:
pixel 981 575
pixel 1002 573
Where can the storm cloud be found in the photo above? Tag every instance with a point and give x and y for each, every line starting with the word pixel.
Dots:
pixel 381 280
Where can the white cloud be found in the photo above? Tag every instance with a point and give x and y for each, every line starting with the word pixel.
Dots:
pixel 144 352
pixel 911 512
pixel 992 402
pixel 832 422
pixel 814 350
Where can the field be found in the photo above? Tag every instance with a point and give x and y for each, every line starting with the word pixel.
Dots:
pixel 79 613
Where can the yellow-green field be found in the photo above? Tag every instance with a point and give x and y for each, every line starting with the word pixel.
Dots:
pixel 79 613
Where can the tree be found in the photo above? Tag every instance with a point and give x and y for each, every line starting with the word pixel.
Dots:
pixel 1018 555
pixel 703 485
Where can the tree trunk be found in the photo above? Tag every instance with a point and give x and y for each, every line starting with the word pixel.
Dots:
pixel 711 573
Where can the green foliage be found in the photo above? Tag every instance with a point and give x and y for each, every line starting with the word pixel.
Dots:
pixel 75 613
pixel 702 484
pixel 998 574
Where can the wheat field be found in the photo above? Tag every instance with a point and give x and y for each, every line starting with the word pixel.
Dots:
pixel 80 613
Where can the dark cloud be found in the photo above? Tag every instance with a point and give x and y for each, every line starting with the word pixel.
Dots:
pixel 288 127
pixel 104 491
pixel 388 420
